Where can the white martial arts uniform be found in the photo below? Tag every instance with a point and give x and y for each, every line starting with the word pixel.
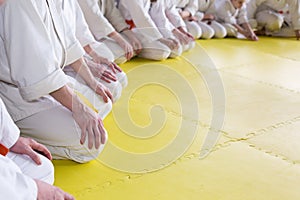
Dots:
pixel 228 15
pixel 279 18
pixel 191 6
pixel 103 18
pixel 145 29
pixel 17 171
pixel 158 15
pixel 176 20
pixel 209 28
pixel 31 68
pixel 77 22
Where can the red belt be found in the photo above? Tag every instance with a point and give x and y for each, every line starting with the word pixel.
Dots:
pixel 3 150
pixel 130 23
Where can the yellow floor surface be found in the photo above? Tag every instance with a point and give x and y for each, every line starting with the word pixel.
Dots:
pixel 222 122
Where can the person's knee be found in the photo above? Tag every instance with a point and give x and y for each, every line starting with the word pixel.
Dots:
pixel 45 171
pixel 270 20
pixel 177 52
pixel 82 154
pixel 104 108
pixel 274 24
pixel 220 30
pixel 122 78
pixel 192 44
pixel 116 89
pixel 189 46
pixel 220 33
pixel 208 33
pixel 194 30
pixel 155 54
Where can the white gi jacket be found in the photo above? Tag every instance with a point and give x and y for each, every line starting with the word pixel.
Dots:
pixel 205 7
pixel 13 184
pixel 293 7
pixel 28 75
pixel 138 11
pixel 102 16
pixel 172 13
pixel 158 15
pixel 227 13
pixel 187 5
pixel 77 23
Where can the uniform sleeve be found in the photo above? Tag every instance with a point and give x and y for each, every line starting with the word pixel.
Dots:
pixel 35 71
pixel 160 19
pixel 98 24
pixel 192 7
pixel 251 7
pixel 74 50
pixel 83 33
pixel 242 16
pixel 141 18
pixel 294 8
pixel 14 184
pixel 224 13
pixel 212 7
pixel 200 13
pixel 173 14
pixel 9 132
pixel 114 16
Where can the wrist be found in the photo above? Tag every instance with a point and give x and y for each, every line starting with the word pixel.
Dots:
pixel 93 54
pixel 124 30
pixel 77 105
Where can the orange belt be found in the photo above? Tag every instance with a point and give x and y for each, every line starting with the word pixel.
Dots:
pixel 3 150
pixel 130 23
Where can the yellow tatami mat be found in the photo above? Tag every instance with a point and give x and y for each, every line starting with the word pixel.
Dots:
pixel 221 122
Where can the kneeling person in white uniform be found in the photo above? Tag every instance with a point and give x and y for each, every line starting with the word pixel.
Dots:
pixel 24 173
pixel 137 16
pixel 107 25
pixel 108 73
pixel 232 15
pixel 206 19
pixel 35 89
pixel 275 18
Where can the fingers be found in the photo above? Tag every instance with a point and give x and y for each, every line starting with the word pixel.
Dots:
pixel 104 96
pixel 33 155
pixel 190 36
pixel 176 43
pixel 90 136
pixel 172 44
pixel 59 194
pixel 83 135
pixel 97 134
pixel 100 90
pixel 117 67
pixel 110 76
pixel 102 131
pixel 105 79
pixel 68 196
pixel 129 53
pixel 42 150
pixel 137 47
pixel 109 94
pixel 184 39
pixel 112 67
